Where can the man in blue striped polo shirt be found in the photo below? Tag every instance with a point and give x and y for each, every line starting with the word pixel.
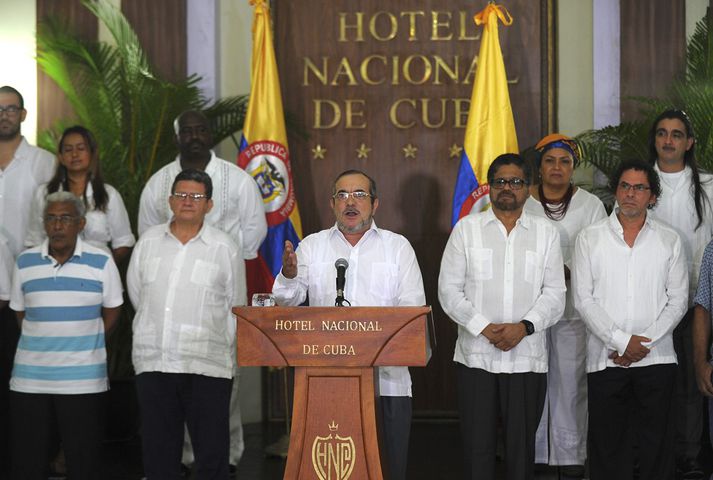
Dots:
pixel 66 294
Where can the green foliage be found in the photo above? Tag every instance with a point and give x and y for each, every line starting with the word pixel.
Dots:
pixel 116 93
pixel 693 92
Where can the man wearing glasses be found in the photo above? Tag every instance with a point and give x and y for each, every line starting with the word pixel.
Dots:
pixel 67 295
pixel 630 282
pixel 382 271
pixel 238 210
pixel 183 279
pixel 23 167
pixel 502 282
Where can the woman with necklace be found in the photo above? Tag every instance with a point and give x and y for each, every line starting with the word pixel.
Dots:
pixel 562 434
pixel 78 171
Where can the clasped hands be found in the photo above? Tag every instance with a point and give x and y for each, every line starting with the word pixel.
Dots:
pixel 634 352
pixel 504 336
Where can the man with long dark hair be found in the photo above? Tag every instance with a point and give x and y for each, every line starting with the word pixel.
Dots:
pixel 686 193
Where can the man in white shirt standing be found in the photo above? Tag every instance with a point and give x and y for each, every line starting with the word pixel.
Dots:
pixel 630 285
pixel 183 279
pixel 502 282
pixel 23 167
pixel 237 210
pixel 382 271
pixel 685 205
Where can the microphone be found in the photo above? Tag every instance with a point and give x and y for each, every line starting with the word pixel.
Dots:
pixel 341 265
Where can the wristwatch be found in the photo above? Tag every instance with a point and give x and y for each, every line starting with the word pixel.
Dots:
pixel 529 327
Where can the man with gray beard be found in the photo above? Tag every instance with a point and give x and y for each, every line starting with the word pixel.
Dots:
pixel 383 271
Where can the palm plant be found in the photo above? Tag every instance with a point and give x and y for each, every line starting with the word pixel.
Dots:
pixel 116 92
pixel 693 92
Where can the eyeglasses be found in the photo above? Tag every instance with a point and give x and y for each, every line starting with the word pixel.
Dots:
pixel 11 110
pixel 64 220
pixel 638 188
pixel 359 195
pixel 194 197
pixel 515 183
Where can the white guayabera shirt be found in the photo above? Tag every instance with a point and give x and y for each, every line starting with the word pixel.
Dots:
pixel 383 271
pixel 183 295
pixel 490 276
pixel 622 291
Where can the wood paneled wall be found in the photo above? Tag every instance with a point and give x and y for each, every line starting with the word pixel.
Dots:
pixel 161 28
pixel 159 24
pixel 51 102
pixel 653 49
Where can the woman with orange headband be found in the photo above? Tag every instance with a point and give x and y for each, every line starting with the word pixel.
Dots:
pixel 562 435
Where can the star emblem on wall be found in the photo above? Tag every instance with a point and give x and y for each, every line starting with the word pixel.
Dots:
pixel 454 151
pixel 318 152
pixel 410 151
pixel 363 151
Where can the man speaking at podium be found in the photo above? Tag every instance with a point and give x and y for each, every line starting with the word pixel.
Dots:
pixel 381 270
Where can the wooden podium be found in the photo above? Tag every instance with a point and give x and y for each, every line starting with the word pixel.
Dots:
pixel 333 350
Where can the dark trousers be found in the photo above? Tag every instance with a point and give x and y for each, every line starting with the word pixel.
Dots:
pixel 483 398
pixel 80 422
pixel 630 406
pixel 9 334
pixel 688 401
pixel 396 420
pixel 167 401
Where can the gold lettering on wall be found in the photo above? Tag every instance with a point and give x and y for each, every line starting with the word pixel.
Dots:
pixel 364 69
pixel 393 24
pixel 357 26
pixel 354 109
pixel 412 34
pixel 460 118
pixel 329 105
pixel 379 70
pixel 393 112
pixel 466 19
pixel 436 25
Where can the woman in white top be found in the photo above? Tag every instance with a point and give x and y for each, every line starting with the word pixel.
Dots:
pixel 561 436
pixel 78 171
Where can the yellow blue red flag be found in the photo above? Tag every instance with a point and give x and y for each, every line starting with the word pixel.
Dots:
pixel 490 130
pixel 264 154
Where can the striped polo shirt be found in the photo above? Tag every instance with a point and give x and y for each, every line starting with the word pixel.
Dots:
pixel 61 348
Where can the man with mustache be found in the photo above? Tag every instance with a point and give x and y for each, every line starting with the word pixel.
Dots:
pixel 502 283
pixel 685 205
pixel 23 167
pixel 383 271
pixel 237 210
pixel 630 284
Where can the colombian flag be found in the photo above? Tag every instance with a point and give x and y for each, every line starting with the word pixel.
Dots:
pixel 264 154
pixel 490 130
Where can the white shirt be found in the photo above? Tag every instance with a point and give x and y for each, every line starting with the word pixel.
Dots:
pixel 383 271
pixel 6 266
pixel 29 168
pixel 102 229
pixel 584 210
pixel 622 291
pixel 488 276
pixel 183 295
pixel 237 203
pixel 676 208
pixel 61 348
